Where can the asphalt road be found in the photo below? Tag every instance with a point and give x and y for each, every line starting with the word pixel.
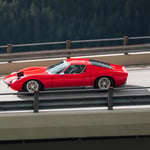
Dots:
pixel 139 76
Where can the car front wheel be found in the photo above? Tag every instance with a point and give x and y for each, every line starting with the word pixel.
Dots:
pixel 32 86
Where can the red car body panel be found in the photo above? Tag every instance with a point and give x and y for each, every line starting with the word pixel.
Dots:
pixel 86 78
pixel 72 80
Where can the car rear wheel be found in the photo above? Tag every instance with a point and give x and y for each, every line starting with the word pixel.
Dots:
pixel 32 86
pixel 104 83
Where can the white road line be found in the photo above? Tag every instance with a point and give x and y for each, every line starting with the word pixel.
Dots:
pixel 81 109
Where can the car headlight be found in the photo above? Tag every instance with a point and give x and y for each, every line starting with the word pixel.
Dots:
pixel 14 80
pixel 13 73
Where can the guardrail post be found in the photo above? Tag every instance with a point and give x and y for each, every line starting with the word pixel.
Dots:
pixel 36 102
pixel 9 48
pixel 68 44
pixel 110 98
pixel 125 42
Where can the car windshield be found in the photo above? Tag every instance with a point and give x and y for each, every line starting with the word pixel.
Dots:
pixel 57 68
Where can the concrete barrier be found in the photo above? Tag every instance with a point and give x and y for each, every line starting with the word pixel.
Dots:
pixel 74 124
pixel 121 59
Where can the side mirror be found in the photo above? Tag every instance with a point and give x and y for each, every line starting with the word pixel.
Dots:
pixel 62 73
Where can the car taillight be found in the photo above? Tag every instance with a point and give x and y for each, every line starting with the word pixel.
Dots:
pixel 124 69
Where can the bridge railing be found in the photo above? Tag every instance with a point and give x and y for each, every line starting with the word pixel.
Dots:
pixel 68 51
pixel 125 41
pixel 109 101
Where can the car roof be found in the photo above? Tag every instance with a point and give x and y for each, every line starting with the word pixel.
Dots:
pixel 81 61
pixel 86 61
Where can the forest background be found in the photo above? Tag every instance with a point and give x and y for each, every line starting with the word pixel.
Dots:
pixel 32 21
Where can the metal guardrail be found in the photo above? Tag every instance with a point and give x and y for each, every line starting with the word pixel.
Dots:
pixel 74 53
pixel 125 40
pixel 69 51
pixel 68 42
pixel 109 101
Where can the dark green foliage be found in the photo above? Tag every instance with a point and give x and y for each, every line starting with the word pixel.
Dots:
pixel 32 21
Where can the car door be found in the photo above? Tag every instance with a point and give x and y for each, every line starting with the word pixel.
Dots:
pixel 73 76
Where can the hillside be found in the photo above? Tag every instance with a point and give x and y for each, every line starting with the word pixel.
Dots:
pixel 32 21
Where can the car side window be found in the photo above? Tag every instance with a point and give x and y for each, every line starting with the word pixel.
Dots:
pixel 74 69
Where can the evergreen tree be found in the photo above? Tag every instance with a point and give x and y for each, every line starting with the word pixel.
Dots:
pixel 32 21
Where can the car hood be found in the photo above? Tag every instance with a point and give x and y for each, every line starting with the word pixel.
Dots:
pixel 26 72
pixel 33 70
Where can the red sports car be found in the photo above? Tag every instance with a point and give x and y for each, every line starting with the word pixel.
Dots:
pixel 72 72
